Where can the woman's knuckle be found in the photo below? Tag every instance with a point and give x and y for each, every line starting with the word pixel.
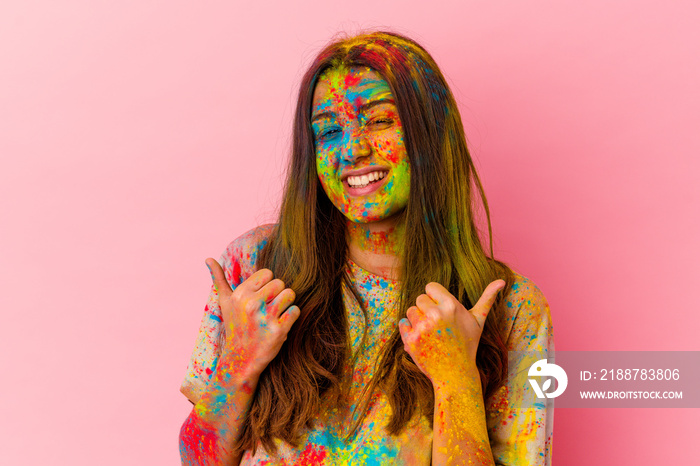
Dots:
pixel 251 306
pixel 276 283
pixel 237 294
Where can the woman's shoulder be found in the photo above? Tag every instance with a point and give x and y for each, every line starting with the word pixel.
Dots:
pixel 524 292
pixel 528 318
pixel 240 256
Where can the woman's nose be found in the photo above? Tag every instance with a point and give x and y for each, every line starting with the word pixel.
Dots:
pixel 356 147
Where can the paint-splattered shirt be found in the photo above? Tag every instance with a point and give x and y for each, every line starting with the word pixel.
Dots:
pixel 518 436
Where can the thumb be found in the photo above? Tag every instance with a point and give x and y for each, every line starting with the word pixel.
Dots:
pixel 218 277
pixel 482 308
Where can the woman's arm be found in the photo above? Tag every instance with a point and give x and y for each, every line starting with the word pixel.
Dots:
pixel 208 434
pixel 520 426
pixel 257 315
pixel 460 435
pixel 442 337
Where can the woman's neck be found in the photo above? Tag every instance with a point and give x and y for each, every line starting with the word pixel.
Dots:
pixel 376 246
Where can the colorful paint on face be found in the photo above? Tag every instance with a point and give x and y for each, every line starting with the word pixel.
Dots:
pixel 361 158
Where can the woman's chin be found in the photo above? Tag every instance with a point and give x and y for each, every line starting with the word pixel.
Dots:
pixel 366 217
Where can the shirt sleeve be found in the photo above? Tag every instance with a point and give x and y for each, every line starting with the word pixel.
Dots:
pixel 520 426
pixel 238 262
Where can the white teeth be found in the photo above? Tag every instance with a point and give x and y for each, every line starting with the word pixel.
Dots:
pixel 364 180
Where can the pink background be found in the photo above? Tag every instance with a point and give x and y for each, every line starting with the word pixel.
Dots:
pixel 140 137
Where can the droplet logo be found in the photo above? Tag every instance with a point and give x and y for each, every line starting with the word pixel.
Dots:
pixel 543 369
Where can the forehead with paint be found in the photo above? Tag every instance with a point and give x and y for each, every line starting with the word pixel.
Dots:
pixel 343 91
pixel 361 159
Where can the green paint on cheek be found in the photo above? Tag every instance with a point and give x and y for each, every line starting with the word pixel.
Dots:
pixel 401 181
pixel 327 174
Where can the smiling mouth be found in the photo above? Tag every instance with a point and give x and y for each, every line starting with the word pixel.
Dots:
pixel 366 179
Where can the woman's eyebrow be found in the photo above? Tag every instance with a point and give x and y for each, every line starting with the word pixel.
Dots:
pixel 322 115
pixel 373 103
pixel 363 109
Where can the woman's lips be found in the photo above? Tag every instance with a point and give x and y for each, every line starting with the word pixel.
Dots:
pixel 363 191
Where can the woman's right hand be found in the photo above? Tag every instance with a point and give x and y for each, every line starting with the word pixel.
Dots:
pixel 257 316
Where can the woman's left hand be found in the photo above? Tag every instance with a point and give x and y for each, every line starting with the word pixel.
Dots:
pixel 441 335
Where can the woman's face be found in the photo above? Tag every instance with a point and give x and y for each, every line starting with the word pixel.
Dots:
pixel 361 159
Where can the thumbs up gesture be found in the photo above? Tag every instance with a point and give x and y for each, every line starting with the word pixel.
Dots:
pixel 441 335
pixel 257 316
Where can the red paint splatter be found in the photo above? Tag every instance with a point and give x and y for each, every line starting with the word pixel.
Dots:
pixel 313 455
pixel 236 273
pixel 198 440
pixel 246 389
pixel 351 80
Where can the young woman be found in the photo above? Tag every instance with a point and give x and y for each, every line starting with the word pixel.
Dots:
pixel 369 325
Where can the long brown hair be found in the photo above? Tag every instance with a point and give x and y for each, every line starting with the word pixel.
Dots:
pixel 307 250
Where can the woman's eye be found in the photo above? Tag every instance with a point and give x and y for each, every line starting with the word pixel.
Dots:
pixel 382 122
pixel 328 133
